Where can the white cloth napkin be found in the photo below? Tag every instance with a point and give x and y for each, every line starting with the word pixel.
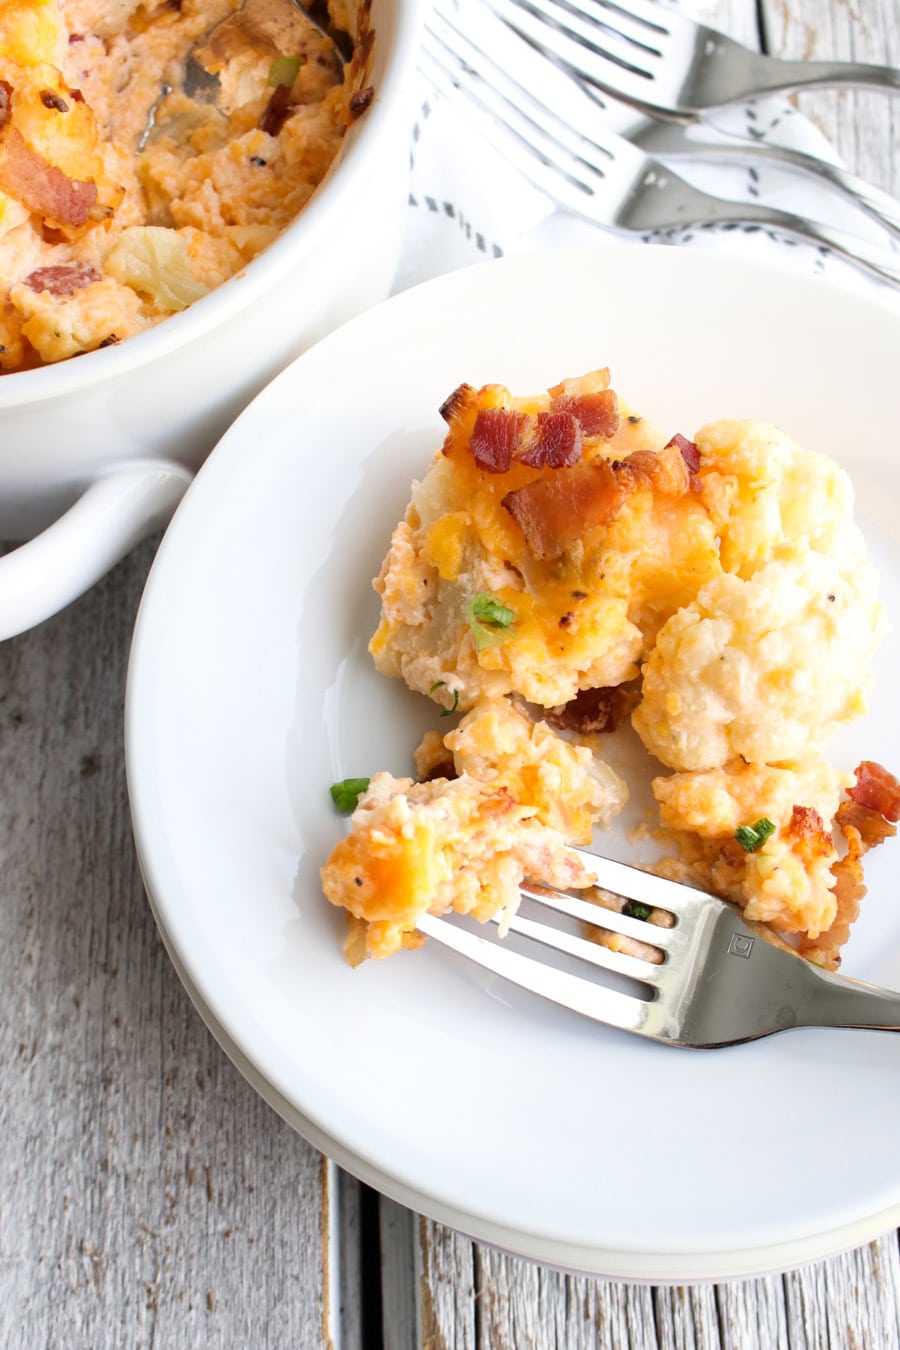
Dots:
pixel 467 204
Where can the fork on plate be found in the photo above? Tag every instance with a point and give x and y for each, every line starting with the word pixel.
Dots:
pixel 663 61
pixel 715 979
pixel 552 131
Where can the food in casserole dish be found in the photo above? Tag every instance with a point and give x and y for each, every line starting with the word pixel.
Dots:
pixel 562 566
pixel 121 204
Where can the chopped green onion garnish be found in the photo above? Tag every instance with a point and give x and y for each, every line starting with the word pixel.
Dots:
pixel 347 792
pixel 752 837
pixel 283 70
pixel 489 620
pixel 635 909
pixel 442 684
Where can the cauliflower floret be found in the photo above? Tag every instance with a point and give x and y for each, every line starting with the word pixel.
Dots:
pixel 731 673
pixel 765 494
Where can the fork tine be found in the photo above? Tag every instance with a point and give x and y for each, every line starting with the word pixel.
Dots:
pixel 621 963
pixel 498 126
pixel 647 887
pixel 642 23
pixel 536 135
pixel 592 1000
pixel 686 67
pixel 576 43
pixel 633 39
pixel 586 911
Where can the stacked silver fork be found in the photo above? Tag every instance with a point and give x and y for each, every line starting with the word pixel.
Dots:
pixel 549 126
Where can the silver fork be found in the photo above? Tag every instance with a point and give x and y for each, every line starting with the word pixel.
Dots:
pixel 665 62
pixel 719 982
pixel 581 165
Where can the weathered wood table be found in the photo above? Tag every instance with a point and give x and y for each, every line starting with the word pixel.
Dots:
pixel 147 1195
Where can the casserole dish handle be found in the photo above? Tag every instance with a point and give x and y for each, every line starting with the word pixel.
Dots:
pixel 117 511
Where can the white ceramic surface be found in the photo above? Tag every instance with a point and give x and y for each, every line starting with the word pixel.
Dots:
pixel 146 413
pixel 250 691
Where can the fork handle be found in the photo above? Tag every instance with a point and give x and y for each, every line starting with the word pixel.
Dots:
pixel 880 205
pixel 880 261
pixel 735 79
pixel 836 1001
pixel 872 258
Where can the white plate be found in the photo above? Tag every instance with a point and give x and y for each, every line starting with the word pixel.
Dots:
pixel 250 691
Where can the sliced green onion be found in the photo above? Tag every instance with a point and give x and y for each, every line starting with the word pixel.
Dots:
pixel 752 837
pixel 636 909
pixel 442 684
pixel 489 620
pixel 347 792
pixel 284 70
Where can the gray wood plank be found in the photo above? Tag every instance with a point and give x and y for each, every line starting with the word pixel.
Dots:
pixel 852 1300
pixel 863 125
pixel 149 1197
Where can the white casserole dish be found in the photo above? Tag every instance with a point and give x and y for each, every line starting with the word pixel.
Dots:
pixel 97 451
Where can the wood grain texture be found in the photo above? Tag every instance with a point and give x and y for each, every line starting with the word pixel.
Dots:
pixel 863 125
pixel 148 1196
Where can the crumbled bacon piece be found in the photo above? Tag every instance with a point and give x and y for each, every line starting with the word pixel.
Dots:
pixel 41 187
pixel 495 438
pixel 61 279
pixel 553 512
pixel 454 404
pixel 277 110
pixel 557 442
pixel 863 828
pixel 806 831
pixel 361 100
pixel 870 825
pixel 593 710
pixel 689 451
pixel 56 102
pixel 877 789
pixel 665 470
pixel 597 413
pixel 445 769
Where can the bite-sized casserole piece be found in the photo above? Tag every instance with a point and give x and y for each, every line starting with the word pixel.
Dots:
pixel 502 797
pixel 564 562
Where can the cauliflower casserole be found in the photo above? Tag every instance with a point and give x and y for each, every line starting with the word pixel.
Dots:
pixel 562 566
pixel 123 199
